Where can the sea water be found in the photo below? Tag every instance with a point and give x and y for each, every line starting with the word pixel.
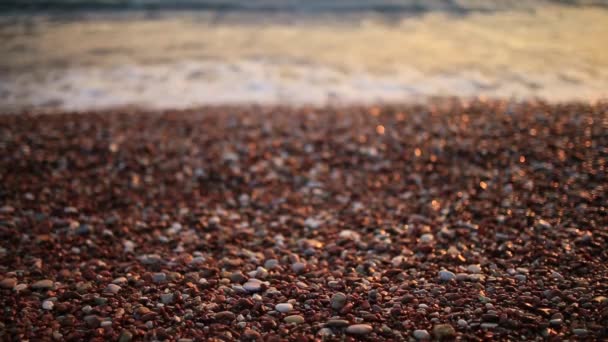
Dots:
pixel 176 54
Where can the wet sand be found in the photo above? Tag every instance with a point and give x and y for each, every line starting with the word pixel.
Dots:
pixel 473 221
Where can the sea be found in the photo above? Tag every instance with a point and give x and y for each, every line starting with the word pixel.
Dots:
pixel 159 54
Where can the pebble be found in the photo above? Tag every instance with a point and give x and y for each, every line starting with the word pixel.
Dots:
pixel 487 325
pixel 325 332
pixel 283 307
pixel 42 284
pixel 359 329
pixel 338 300
pixel 298 267
pixel 580 332
pixel 336 323
pixel 443 331
pixel 225 316
pixel 271 264
pixel 159 277
pixel 8 283
pixel 125 336
pixel 462 323
pixel 446 275
pixel 421 334
pixel 119 281
pixel 48 305
pixel 112 288
pixel 474 269
pixel 427 238
pixel 20 287
pixel 297 319
pixel 253 285
pixel 167 298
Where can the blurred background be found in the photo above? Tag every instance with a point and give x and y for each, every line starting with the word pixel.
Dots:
pixel 92 54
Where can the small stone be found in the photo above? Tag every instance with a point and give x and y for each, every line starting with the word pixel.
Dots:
pixel 47 305
pixel 159 277
pixel 462 323
pixel 20 287
pixel 338 300
pixel 359 329
pixel 520 277
pixel 580 332
pixel 487 325
pixel 298 267
pixel 283 307
pixel 325 332
pixel 426 238
pixel 8 283
pixel 421 334
pixel 42 284
pixel 271 264
pixel 167 298
pixel 92 321
pixel 225 316
pixel 125 336
pixel 349 235
pixel 336 323
pixel 446 275
pixel 476 269
pixel 252 335
pixel 112 288
pixel 297 319
pixel 119 281
pixel 238 277
pixel 556 322
pixel 443 331
pixel 253 285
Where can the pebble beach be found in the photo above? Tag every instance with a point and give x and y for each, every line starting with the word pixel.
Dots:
pixel 453 220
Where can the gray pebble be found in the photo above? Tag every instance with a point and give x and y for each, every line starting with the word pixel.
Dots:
pixel 159 277
pixel 167 298
pixel 298 267
pixel 271 263
pixel 421 334
pixel 338 300
pixel 283 307
pixel 253 285
pixel 446 275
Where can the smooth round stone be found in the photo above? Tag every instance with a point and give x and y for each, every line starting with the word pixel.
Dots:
pixel 446 275
pixel 336 323
pixel 159 277
pixel 297 319
pixel 119 280
pixel 20 287
pixel 298 267
pixel 112 288
pixel 421 334
pixel 443 331
pixel 556 322
pixel 474 269
pixel 338 300
pixel 325 332
pixel 271 263
pixel 237 277
pixel 8 283
pixel 167 298
pixel 283 307
pixel 487 325
pixel 462 276
pixel 580 332
pixel 520 277
pixel 47 305
pixel 427 238
pixel 253 285
pixel 462 323
pixel 350 235
pixel 359 329
pixel 42 284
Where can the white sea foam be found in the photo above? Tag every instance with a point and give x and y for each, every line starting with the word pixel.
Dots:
pixel 553 53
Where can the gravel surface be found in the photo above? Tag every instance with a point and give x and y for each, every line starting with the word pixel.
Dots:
pixel 476 221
